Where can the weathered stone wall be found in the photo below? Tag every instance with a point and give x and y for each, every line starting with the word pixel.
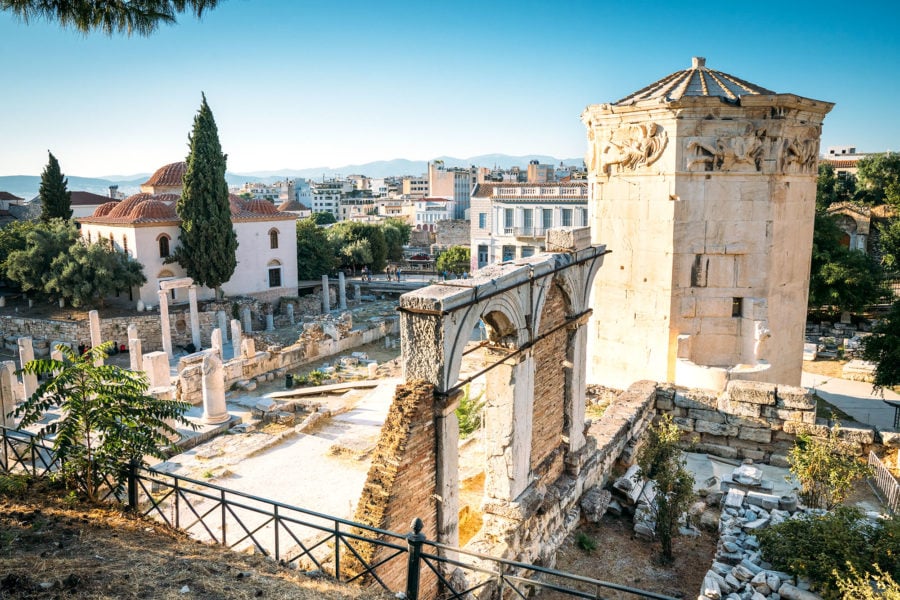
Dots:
pixel 111 329
pixel 750 419
pixel 454 232
pixel 549 407
pixel 190 386
pixel 400 486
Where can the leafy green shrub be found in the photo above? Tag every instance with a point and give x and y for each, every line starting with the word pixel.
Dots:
pixel 661 460
pixel 585 542
pixel 877 586
pixel 826 548
pixel 469 413
pixel 826 469
pixel 13 485
pixel 886 545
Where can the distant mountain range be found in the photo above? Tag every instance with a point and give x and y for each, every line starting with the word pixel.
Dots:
pixel 26 186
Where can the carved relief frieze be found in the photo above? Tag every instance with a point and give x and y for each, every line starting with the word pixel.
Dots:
pixel 799 153
pixel 739 152
pixel 630 147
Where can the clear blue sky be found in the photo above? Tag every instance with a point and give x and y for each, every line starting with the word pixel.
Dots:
pixel 297 84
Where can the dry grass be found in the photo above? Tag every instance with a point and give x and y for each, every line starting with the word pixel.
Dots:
pixel 51 549
pixel 829 367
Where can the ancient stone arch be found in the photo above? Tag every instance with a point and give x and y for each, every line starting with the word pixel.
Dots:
pixel 534 310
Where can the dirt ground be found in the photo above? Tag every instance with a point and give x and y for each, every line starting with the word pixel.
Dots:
pixel 50 548
pixel 830 367
pixel 621 558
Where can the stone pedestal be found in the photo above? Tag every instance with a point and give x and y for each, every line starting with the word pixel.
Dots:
pixel 342 291
pixel 164 322
pixel 248 348
pixel 26 355
pixel 7 392
pixel 236 338
pixel 216 342
pixel 246 321
pixel 214 408
pixel 270 322
pixel 195 317
pixel 96 339
pixel 223 325
pixel 326 295
pixel 134 348
pixel 156 365
pixel 290 313
pixel 356 292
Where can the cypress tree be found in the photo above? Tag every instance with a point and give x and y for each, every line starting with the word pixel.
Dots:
pixel 56 200
pixel 208 242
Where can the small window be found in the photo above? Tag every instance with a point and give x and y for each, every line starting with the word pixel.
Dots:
pixel 736 304
pixel 273 239
pixel 567 217
pixel 275 277
pixel 164 246
pixel 482 220
pixel 125 244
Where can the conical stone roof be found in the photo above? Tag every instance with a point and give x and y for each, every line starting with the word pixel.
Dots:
pixel 696 81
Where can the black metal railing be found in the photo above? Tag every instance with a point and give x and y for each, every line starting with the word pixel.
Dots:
pixel 313 541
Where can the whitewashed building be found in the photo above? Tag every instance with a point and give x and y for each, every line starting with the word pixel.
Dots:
pixel 146 227
pixel 510 220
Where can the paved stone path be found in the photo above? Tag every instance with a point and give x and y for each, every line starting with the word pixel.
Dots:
pixel 855 398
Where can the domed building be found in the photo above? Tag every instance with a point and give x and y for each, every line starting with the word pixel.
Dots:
pixel 146 226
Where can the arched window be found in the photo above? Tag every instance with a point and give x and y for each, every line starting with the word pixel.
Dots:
pixel 274 274
pixel 163 246
pixel 273 239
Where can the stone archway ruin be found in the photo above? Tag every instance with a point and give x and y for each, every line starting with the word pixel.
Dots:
pixel 534 310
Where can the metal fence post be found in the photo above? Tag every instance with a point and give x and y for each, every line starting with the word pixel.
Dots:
pixel 413 559
pixel 132 485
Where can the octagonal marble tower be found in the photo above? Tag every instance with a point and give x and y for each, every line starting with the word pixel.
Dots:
pixel 703 186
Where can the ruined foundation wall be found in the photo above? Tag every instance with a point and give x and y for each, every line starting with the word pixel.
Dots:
pixel 111 329
pixel 749 419
pixel 190 387
pixel 401 484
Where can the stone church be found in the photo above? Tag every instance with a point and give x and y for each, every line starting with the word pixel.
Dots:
pixel 703 187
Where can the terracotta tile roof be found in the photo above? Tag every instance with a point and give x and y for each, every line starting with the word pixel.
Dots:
pixel 89 199
pixel 292 206
pixel 841 163
pixel 103 209
pixel 10 197
pixel 171 174
pixel 263 207
pixel 696 81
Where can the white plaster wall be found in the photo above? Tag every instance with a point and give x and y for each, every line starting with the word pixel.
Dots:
pixel 254 255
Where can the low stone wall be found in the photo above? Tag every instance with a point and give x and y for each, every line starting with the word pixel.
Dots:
pixel 750 419
pixel 275 358
pixel 111 329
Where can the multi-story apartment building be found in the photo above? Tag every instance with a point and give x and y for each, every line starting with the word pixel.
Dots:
pixel 455 184
pixel 538 173
pixel 510 220
pixel 327 194
pixel 355 206
pixel 415 187
pixel 261 191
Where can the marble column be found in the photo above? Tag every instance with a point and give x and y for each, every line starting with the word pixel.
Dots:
pixel 96 339
pixel 216 342
pixel 26 355
pixel 446 431
pixel 195 317
pixel 164 322
pixel 326 295
pixel 246 321
pixel 7 392
pixel 290 312
pixel 156 365
pixel 342 291
pixel 214 407
pixel 356 292
pixel 223 325
pixel 134 348
pixel 235 338
pixel 270 322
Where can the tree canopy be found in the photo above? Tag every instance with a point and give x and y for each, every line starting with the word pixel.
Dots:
pixel 315 255
pixel 883 348
pixel 323 218
pixel 357 244
pixel 879 179
pixel 30 268
pixel 142 17
pixel 56 200
pixel 455 259
pixel 207 241
pixel 12 238
pixel 396 235
pixel 840 277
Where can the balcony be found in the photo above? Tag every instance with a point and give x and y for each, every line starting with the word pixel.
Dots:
pixel 529 233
